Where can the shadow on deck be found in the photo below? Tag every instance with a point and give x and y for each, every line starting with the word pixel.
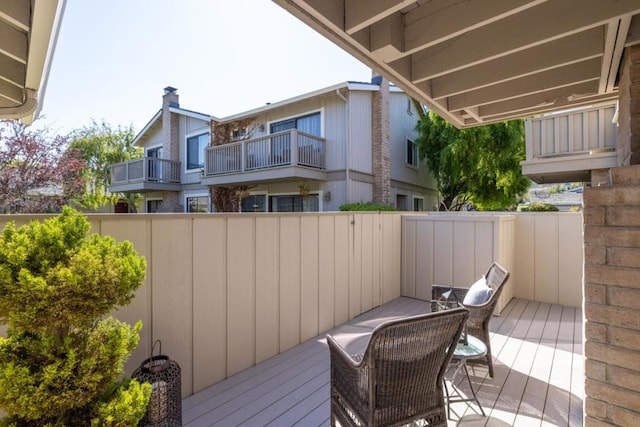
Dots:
pixel 538 374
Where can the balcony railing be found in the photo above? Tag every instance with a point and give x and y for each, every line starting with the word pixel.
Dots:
pixel 288 148
pixel 566 146
pixel 146 169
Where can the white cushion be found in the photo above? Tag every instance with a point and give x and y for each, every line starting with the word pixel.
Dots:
pixel 478 293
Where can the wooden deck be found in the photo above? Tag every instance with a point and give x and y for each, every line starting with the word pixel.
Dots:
pixel 538 374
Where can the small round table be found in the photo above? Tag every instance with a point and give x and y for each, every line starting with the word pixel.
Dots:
pixel 471 348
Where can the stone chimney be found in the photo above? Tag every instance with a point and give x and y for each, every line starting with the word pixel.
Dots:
pixel 381 141
pixel 170 146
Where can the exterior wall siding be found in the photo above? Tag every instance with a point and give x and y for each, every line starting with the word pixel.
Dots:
pixel 360 132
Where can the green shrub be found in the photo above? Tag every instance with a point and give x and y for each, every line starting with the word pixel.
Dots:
pixel 61 361
pixel 366 206
pixel 537 207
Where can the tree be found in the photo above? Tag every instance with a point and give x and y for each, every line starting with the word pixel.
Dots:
pixel 100 146
pixel 479 165
pixel 38 173
pixel 61 360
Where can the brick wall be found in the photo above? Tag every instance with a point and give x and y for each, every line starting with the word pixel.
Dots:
pixel 171 202
pixel 381 144
pixel 170 146
pixel 629 104
pixel 612 300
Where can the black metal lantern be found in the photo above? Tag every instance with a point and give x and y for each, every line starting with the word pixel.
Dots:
pixel 165 404
pixel 447 300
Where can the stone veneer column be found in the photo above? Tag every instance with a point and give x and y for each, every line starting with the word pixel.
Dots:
pixel 381 142
pixel 629 108
pixel 612 270
pixel 612 300
pixel 170 145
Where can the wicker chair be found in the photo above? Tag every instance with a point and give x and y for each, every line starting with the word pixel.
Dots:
pixel 479 315
pixel 399 377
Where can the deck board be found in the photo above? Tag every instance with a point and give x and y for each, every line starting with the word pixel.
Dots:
pixel 537 360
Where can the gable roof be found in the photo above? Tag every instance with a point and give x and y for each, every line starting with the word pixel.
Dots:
pixel 157 120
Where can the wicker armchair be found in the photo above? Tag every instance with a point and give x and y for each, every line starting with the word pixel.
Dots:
pixel 479 315
pixel 399 377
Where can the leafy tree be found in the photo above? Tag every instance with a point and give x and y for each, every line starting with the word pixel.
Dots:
pixel 100 146
pixel 479 165
pixel 61 361
pixel 38 173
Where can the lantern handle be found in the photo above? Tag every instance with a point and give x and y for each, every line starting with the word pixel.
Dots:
pixel 153 347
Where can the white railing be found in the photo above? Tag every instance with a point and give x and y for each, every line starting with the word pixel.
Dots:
pixel 292 147
pixel 589 131
pixel 145 169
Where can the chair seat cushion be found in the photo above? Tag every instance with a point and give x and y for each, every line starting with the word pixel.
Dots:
pixel 478 293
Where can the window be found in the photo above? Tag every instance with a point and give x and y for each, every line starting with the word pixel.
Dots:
pixel 198 204
pixel 155 153
pixel 412 153
pixel 418 204
pixel 294 203
pixel 254 203
pixel 309 124
pixel 154 206
pixel 195 151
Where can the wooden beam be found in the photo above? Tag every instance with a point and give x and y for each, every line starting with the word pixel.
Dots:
pixel 633 36
pixel 11 92
pixel 611 60
pixel 438 20
pixel 543 100
pixel 557 53
pixel 386 38
pixel 535 26
pixel 323 10
pixel 12 70
pixel 363 13
pixel 540 82
pixel 16 13
pixel 13 42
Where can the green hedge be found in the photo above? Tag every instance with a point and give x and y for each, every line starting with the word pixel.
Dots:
pixel 537 207
pixel 366 206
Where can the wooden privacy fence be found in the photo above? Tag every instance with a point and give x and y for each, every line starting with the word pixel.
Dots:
pixel 226 291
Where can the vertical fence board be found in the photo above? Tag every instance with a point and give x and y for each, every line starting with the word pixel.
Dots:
pixel 171 275
pixel 326 272
pixel 240 294
pixel 209 301
pixel 289 282
pixel 267 287
pixel 309 277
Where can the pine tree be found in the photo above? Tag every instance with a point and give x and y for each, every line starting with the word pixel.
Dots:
pixel 62 359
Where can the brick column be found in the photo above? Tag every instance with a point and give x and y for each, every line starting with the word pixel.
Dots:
pixel 612 300
pixel 381 142
pixel 170 145
pixel 629 108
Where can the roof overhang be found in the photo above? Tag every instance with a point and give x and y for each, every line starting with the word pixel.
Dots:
pixel 477 62
pixel 28 36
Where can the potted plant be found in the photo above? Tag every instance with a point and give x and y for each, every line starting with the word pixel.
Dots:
pixel 62 358
pixel 304 189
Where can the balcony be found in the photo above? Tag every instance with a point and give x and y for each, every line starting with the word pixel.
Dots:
pixel 565 147
pixel 145 174
pixel 291 154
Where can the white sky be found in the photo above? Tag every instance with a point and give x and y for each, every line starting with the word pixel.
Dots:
pixel 114 57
